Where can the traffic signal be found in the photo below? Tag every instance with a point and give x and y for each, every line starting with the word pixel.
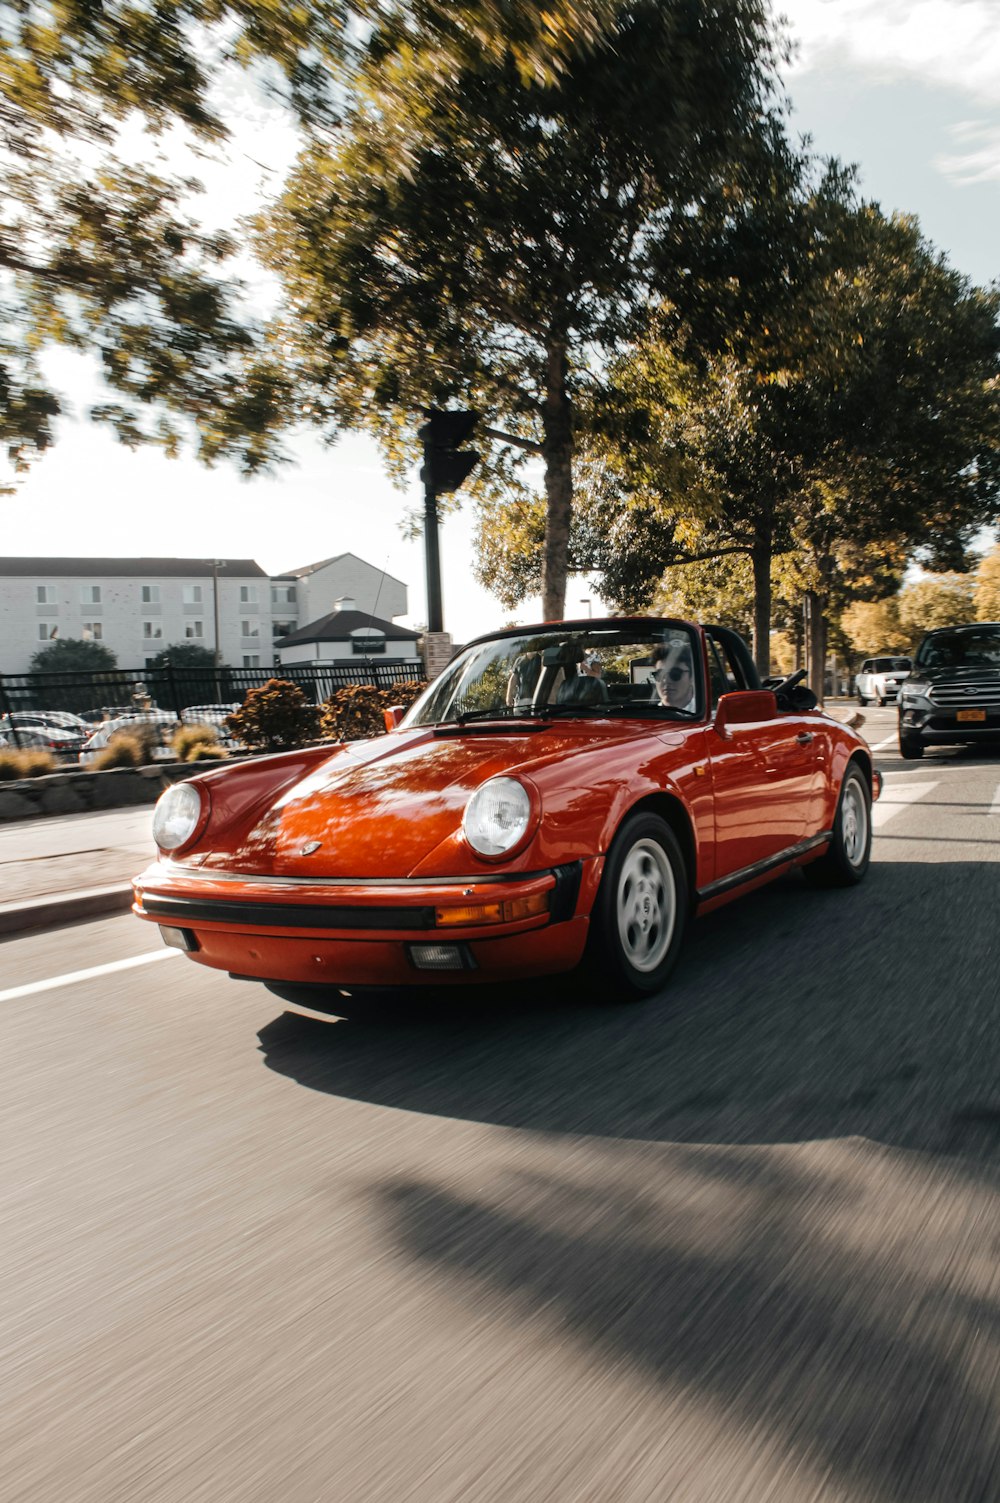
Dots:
pixel 446 464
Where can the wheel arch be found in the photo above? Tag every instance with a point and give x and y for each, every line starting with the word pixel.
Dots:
pixel 672 811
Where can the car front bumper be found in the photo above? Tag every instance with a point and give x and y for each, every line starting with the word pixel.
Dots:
pixel 940 727
pixel 386 933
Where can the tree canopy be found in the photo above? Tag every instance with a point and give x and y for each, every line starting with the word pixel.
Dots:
pixel 71 655
pixel 490 241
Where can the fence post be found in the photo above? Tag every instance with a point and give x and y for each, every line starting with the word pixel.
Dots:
pixel 5 709
pixel 172 688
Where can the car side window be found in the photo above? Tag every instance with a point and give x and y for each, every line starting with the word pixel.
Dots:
pixel 724 672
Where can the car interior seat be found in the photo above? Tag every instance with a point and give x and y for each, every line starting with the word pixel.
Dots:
pixel 582 690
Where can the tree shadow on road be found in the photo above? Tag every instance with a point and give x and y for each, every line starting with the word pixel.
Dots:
pixel 793 1015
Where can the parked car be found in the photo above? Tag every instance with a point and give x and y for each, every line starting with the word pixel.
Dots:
pixel 161 722
pixel 953 694
pixel 880 679
pixel 516 823
pixel 42 728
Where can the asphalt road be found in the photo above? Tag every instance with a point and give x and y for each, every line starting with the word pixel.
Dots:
pixel 740 1243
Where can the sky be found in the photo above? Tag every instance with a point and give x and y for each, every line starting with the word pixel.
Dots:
pixel 908 90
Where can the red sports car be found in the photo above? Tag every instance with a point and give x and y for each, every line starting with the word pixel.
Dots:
pixel 567 792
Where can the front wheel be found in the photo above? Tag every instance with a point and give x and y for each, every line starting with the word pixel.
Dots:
pixel 641 910
pixel 911 748
pixel 846 859
pixel 861 699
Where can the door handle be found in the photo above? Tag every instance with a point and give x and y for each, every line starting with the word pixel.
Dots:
pixel 804 738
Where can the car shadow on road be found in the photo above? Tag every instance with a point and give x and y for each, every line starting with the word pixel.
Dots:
pixel 793 1015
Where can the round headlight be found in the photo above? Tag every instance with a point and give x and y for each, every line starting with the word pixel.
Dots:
pixel 177 816
pixel 497 816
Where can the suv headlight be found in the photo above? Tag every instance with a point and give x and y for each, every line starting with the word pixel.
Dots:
pixel 180 814
pixel 497 817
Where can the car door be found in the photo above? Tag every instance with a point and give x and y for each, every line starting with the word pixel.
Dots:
pixel 764 774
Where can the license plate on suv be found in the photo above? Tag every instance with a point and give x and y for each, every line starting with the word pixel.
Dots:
pixel 966 715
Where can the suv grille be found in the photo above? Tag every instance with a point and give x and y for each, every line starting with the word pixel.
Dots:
pixel 977 691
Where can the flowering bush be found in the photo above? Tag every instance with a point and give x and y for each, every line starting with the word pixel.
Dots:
pixel 275 717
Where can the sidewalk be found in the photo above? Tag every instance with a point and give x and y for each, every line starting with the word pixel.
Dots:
pixel 59 869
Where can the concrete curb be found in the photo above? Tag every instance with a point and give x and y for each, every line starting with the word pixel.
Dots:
pixel 64 908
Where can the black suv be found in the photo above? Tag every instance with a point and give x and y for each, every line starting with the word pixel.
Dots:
pixel 953 692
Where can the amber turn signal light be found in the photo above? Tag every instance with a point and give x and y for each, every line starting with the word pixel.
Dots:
pixel 493 913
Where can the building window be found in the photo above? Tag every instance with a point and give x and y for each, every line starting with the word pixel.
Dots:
pixel 248 594
pixel 47 633
pixel 150 594
pixel 251 660
pixel 192 594
pixel 90 594
pixel 283 594
pixel 194 628
pixel 284 628
pixel 92 631
pixel 45 594
pixel 367 645
pixel 249 629
pixel 151 629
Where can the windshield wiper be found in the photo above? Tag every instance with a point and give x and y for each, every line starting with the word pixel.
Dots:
pixel 499 712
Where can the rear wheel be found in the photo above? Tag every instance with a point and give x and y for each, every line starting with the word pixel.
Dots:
pixel 846 860
pixel 637 927
pixel 861 699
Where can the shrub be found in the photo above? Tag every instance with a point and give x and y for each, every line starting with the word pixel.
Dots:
pixel 195 743
pixel 32 762
pixel 275 717
pixel 355 711
pixel 206 751
pixel 126 749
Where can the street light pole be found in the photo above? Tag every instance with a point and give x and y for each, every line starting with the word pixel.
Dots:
pixel 217 564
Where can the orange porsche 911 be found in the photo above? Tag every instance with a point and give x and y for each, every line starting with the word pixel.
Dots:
pixel 562 794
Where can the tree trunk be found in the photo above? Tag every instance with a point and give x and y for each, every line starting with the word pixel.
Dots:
pixel 816 644
pixel 557 451
pixel 761 556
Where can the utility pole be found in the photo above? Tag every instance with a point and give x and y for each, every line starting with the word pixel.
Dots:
pixel 446 466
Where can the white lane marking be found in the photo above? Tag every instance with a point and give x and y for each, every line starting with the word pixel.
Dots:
pixel 896 796
pixel 889 741
pixel 995 806
pixel 72 977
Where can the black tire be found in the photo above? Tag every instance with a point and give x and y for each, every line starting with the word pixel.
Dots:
pixel 861 699
pixel 881 701
pixel 911 748
pixel 640 914
pixel 846 859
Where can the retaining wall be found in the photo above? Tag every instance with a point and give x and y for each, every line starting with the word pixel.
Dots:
pixel 78 791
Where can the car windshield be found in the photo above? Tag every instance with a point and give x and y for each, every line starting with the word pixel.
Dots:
pixel 964 647
pixel 630 668
pixel 892 665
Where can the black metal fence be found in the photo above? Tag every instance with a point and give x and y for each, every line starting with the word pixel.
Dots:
pixel 175 688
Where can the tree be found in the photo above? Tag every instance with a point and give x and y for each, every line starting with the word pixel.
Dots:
pixel 937 600
pixel 68 655
pixel 987 588
pixel 488 241
pixel 856 425
pixel 873 626
pixel 183 655
pixel 106 254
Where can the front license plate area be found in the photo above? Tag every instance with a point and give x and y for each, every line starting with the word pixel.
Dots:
pixel 967 715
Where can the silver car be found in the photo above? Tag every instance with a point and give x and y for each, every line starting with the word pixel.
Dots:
pixel 881 679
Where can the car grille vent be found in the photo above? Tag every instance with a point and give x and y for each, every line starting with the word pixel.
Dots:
pixel 967 691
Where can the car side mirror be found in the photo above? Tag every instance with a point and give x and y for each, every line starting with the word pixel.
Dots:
pixel 745 707
pixel 393 716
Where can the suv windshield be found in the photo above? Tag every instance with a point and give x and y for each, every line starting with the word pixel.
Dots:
pixel 891 665
pixel 961 647
pixel 646 668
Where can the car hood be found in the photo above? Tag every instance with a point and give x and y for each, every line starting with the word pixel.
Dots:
pixel 378 808
pixel 943 675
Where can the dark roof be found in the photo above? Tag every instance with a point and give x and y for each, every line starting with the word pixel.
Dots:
pixel 336 559
pixel 338 626
pixel 168 568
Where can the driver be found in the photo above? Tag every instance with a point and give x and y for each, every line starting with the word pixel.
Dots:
pixel 673 677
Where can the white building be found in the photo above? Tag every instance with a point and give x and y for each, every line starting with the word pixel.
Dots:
pixel 138 606
pixel 349 635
